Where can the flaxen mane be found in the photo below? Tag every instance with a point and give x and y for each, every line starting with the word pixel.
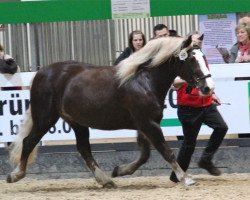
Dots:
pixel 156 50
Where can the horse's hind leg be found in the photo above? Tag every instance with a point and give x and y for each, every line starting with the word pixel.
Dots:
pixel 38 129
pixel 83 147
pixel 128 169
pixel 29 144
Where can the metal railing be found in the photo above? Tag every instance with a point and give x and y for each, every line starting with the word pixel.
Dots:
pixel 98 42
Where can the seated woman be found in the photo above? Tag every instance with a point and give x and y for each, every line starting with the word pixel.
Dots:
pixel 240 52
pixel 136 41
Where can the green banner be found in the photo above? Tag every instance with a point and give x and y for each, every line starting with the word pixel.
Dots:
pixel 170 122
pixel 75 10
pixel 191 7
pixel 54 10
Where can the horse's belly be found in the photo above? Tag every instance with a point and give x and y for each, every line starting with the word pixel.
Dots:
pixel 108 120
pixel 106 123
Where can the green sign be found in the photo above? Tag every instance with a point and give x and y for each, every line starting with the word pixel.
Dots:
pixel 75 10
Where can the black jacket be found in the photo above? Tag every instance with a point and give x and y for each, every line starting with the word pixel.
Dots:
pixel 125 54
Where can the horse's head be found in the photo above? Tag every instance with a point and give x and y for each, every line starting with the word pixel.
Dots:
pixel 194 68
pixel 7 64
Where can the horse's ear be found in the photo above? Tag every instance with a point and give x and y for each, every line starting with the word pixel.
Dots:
pixel 187 42
pixel 201 37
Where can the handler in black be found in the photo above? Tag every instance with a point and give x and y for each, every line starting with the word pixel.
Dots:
pixel 194 110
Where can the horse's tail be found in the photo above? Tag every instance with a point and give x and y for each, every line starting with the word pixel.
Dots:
pixel 16 147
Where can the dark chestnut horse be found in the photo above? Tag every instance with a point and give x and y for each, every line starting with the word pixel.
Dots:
pixel 127 96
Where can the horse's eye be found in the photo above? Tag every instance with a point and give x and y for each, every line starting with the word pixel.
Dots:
pixel 192 53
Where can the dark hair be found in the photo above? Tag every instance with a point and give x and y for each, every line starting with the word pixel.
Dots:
pixel 130 38
pixel 159 27
pixel 173 33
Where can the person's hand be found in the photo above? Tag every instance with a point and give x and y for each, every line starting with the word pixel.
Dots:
pixel 226 58
pixel 224 53
pixel 216 99
pixel 178 82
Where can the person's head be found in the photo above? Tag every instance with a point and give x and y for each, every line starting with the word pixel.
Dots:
pixel 136 40
pixel 242 32
pixel 161 30
pixel 244 20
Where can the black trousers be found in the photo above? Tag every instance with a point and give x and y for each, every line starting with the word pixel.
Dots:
pixel 191 119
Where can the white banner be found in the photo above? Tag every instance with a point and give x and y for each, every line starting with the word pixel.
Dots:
pixel 130 9
pixel 234 95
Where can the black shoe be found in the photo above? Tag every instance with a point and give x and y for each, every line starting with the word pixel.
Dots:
pixel 173 178
pixel 209 166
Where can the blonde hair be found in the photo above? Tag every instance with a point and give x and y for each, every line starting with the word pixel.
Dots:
pixel 243 26
pixel 156 51
pixel 244 20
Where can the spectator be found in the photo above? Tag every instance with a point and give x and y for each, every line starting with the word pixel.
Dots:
pixel 136 41
pixel 7 63
pixel 160 30
pixel 244 20
pixel 193 111
pixel 240 52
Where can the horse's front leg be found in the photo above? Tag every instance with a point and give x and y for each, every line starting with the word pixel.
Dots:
pixel 128 169
pixel 154 134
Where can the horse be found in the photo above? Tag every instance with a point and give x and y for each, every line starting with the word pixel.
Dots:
pixel 129 95
pixel 7 64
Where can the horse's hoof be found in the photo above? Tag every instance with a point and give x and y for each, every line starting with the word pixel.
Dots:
pixel 110 185
pixel 12 178
pixel 189 181
pixel 9 179
pixel 115 172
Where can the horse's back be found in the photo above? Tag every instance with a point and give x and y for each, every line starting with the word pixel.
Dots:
pixel 61 73
pixel 85 92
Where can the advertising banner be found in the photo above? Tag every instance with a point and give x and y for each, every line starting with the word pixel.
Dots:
pixel 234 95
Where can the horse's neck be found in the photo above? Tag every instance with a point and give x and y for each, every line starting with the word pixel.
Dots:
pixel 163 77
